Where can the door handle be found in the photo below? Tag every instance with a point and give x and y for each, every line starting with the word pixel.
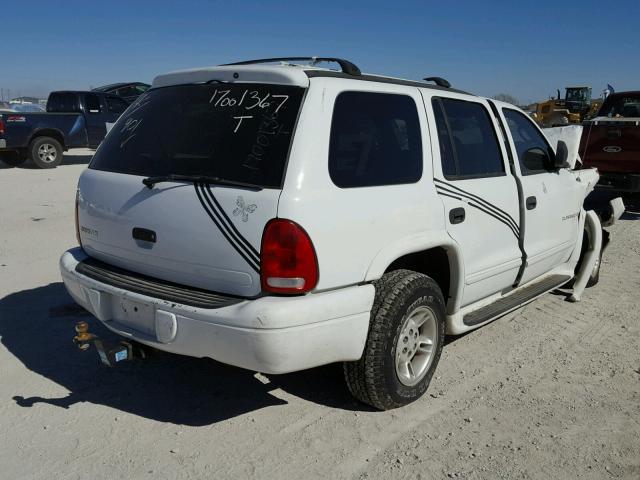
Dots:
pixel 457 215
pixel 532 202
pixel 144 234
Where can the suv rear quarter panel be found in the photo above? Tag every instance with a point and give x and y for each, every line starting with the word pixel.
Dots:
pixel 351 227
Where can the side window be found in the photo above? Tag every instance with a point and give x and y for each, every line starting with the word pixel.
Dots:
pixel 116 105
pixel 447 157
pixel 93 103
pixel 375 140
pixel 526 137
pixel 62 102
pixel 468 143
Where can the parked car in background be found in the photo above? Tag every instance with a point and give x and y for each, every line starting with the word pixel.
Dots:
pixel 128 91
pixel 74 119
pixel 27 107
pixel 611 142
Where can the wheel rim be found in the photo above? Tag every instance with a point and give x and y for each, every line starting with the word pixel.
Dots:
pixel 47 153
pixel 416 345
pixel 596 266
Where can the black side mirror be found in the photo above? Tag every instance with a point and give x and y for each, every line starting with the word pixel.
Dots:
pixel 536 159
pixel 561 159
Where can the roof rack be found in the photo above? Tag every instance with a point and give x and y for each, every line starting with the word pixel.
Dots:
pixel 441 82
pixel 346 66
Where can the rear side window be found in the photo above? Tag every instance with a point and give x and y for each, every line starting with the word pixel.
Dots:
pixel 116 105
pixel 525 137
pixel 63 102
pixel 375 140
pixel 468 143
pixel 238 132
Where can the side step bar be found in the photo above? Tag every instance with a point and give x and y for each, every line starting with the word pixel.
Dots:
pixel 511 302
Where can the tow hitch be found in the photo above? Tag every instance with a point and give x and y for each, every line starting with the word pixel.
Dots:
pixel 109 353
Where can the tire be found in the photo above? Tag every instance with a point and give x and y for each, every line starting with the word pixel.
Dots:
pixel 45 152
pixel 594 278
pixel 13 158
pixel 382 378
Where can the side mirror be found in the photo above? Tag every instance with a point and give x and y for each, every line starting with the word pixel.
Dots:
pixel 536 159
pixel 562 155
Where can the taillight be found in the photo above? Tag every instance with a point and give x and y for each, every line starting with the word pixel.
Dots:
pixel 76 217
pixel 1 126
pixel 288 262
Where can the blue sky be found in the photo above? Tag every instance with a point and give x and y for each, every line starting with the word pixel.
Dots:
pixel 527 49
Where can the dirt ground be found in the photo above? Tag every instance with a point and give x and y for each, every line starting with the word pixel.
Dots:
pixel 551 391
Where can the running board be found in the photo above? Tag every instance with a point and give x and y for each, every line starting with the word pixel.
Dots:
pixel 510 302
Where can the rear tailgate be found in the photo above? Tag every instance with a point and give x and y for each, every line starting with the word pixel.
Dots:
pixel 200 235
pixel 195 233
pixel 612 145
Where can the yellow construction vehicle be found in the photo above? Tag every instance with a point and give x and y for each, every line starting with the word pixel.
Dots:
pixel 574 108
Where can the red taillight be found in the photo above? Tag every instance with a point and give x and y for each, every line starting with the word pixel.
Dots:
pixel 76 217
pixel 288 262
pixel 1 126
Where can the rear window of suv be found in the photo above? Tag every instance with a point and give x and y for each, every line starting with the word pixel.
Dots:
pixel 239 132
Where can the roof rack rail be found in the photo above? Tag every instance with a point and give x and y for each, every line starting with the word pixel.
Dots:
pixel 441 82
pixel 346 66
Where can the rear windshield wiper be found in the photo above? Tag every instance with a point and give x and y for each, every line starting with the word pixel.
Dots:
pixel 149 182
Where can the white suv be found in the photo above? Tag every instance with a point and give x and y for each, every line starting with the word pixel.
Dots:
pixel 281 216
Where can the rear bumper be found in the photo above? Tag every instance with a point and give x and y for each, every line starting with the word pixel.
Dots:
pixel 268 334
pixel 620 182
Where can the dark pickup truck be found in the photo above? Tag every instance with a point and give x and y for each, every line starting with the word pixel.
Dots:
pixel 611 142
pixel 72 120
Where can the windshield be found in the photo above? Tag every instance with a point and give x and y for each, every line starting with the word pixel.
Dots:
pixel 239 132
pixel 576 95
pixel 621 106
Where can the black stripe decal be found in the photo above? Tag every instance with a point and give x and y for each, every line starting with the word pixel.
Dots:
pixel 250 261
pixel 235 237
pixel 221 211
pixel 478 199
pixel 500 219
pixel 505 218
pixel 451 196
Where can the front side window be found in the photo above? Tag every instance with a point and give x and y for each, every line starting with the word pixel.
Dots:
pixel 238 132
pixel 616 106
pixel 375 140
pixel 469 146
pixel 527 137
pixel 93 103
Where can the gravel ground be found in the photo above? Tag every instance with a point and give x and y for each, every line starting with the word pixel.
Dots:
pixel 550 391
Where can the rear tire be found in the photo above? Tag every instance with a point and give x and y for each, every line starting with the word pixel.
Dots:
pixel 405 340
pixel 13 158
pixel 46 152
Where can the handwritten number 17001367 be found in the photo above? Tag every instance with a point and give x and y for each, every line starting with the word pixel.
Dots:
pixel 249 99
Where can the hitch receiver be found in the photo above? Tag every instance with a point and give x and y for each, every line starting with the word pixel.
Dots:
pixel 109 353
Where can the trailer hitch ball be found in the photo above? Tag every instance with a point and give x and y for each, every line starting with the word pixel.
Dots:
pixel 83 338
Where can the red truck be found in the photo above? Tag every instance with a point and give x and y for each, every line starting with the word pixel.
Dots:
pixel 611 142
